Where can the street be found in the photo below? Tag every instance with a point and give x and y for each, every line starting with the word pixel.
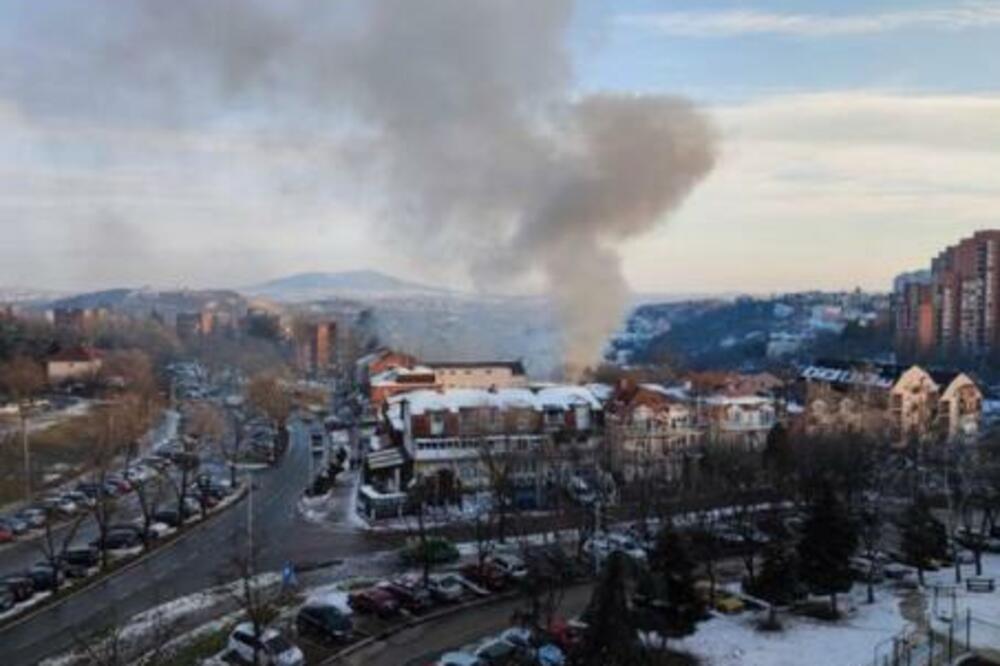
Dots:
pixel 200 559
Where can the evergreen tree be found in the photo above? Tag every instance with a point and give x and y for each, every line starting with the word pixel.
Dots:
pixel 778 580
pixel 828 542
pixel 680 607
pixel 778 456
pixel 924 536
pixel 610 639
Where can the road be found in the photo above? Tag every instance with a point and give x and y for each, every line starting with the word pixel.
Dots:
pixel 195 562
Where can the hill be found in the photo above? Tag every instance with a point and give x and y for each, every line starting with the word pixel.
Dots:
pixel 320 286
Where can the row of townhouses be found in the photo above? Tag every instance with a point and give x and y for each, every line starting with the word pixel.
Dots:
pixel 546 438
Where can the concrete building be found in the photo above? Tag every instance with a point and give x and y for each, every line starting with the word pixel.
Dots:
pixel 957 310
pixel 315 346
pixel 74 364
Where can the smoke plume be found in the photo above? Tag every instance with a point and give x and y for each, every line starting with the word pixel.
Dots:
pixel 463 111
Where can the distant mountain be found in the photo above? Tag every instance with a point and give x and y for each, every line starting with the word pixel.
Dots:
pixel 357 284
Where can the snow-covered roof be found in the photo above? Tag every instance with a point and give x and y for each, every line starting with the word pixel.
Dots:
pixel 393 375
pixel 453 400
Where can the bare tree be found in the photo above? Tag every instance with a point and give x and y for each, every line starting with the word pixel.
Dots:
pixel 22 380
pixel 266 393
pixel 116 426
pixel 207 425
pixel 54 547
pixel 253 597
pixel 417 498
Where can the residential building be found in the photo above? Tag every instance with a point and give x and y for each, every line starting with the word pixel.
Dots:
pixel 892 403
pixel 315 344
pixel 538 438
pixel 73 364
pixel 188 325
pixel 378 362
pixel 479 374
pixel 80 320
pixel 398 380
pixel 957 310
pixel 650 431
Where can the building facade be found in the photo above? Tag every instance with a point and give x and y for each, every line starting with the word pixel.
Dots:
pixel 76 364
pixel 955 310
pixel 895 404
pixel 538 439
pixel 479 374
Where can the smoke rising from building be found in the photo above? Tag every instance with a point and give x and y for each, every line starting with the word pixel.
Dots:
pixel 463 111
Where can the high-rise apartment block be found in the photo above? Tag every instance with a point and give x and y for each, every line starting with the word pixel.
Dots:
pixel 954 309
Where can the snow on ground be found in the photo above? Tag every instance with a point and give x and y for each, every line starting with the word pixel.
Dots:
pixel 958 601
pixel 315 509
pixel 852 641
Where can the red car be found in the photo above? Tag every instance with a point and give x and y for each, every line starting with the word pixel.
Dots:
pixel 6 534
pixel 374 600
pixel 487 576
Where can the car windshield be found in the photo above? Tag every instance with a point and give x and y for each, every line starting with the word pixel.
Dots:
pixel 277 645
pixel 331 617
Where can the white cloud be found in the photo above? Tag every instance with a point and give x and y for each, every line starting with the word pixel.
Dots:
pixel 830 190
pixel 748 22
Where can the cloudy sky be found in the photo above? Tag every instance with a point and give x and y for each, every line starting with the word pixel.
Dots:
pixel 856 138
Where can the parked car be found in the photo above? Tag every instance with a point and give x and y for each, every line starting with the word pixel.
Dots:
pixel 34 516
pixel 80 499
pixel 729 604
pixel 45 576
pixel 168 517
pixel 459 659
pixel 119 482
pixel 325 622
pixel 446 587
pixel 6 533
pixel 414 599
pixel 78 562
pixel 16 525
pixel 120 540
pixel 59 504
pixel 21 586
pixel 375 600
pixel 510 565
pixel 498 652
pixel 272 648
pixel 7 599
pixel 488 576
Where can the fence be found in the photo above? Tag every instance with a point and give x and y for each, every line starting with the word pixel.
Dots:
pixel 960 635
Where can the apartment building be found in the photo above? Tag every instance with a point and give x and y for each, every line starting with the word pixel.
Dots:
pixel 955 309
pixel 315 346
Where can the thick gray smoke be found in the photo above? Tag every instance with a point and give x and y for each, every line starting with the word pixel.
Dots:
pixel 464 110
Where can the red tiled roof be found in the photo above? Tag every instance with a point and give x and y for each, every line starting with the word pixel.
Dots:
pixel 76 355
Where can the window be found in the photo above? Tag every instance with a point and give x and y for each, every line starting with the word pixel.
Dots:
pixel 437 423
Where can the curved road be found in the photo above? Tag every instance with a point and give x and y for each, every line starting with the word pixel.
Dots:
pixel 197 561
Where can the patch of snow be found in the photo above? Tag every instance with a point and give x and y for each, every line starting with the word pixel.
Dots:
pixel 851 641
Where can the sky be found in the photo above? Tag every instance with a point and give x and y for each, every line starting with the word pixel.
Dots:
pixel 856 139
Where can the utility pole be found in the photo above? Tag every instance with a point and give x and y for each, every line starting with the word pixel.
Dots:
pixel 27 454
pixel 250 562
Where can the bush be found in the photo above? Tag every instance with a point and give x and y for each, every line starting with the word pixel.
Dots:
pixel 435 550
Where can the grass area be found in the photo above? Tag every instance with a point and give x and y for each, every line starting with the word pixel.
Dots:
pixel 201 648
pixel 66 443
